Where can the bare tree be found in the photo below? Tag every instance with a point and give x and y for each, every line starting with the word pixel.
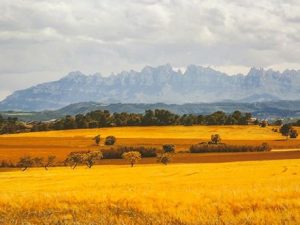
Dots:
pixel 38 161
pixel 73 159
pixel 25 162
pixel 91 157
pixel 50 161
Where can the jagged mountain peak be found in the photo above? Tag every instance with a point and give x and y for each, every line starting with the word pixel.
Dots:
pixel 167 68
pixel 157 84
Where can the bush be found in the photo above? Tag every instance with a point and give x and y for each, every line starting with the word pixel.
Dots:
pixel 97 139
pixel 215 139
pixel 164 158
pixel 110 140
pixel 263 123
pixel 206 148
pixel 293 133
pixel 6 164
pixel 169 148
pixel 285 130
pixel 116 153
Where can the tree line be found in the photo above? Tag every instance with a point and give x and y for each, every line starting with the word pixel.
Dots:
pixel 99 118
pixel 157 117
pixel 90 158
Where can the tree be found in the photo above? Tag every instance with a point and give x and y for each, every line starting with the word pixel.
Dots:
pixel 293 133
pixel 38 161
pixel 285 130
pixel 73 159
pixel 215 139
pixel 263 123
pixel 25 162
pixel 69 122
pixel 97 139
pixel 91 157
pixel 110 140
pixel 81 121
pixel 50 161
pixel 164 158
pixel 169 148
pixel 278 123
pixel 132 157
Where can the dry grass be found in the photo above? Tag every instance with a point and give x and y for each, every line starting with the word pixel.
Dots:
pixel 60 143
pixel 227 193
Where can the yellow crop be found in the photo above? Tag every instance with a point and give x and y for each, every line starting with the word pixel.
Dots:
pixel 261 192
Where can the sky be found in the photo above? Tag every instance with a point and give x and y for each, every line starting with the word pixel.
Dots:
pixel 44 40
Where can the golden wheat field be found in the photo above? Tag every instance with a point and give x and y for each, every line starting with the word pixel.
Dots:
pixel 60 143
pixel 266 192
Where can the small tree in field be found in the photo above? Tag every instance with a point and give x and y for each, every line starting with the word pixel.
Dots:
pixel 215 139
pixel 50 161
pixel 285 130
pixel 73 159
pixel 38 161
pixel 169 148
pixel 25 162
pixel 293 133
pixel 91 157
pixel 132 157
pixel 110 140
pixel 97 139
pixel 164 158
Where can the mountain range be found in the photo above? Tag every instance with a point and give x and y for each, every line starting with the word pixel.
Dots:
pixel 158 84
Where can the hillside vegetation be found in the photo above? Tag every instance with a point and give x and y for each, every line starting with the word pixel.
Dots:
pixel 230 193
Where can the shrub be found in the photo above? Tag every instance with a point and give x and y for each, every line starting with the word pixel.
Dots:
pixel 263 123
pixel 285 130
pixel 206 148
pixel 110 140
pixel 169 148
pixel 164 158
pixel 132 157
pixel 215 139
pixel 293 133
pixel 6 164
pixel 97 139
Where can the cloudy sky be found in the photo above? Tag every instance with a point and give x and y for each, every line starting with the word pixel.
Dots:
pixel 42 40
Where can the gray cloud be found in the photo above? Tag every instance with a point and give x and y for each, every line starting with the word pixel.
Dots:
pixel 42 40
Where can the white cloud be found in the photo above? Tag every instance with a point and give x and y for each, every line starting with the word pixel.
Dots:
pixel 42 39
